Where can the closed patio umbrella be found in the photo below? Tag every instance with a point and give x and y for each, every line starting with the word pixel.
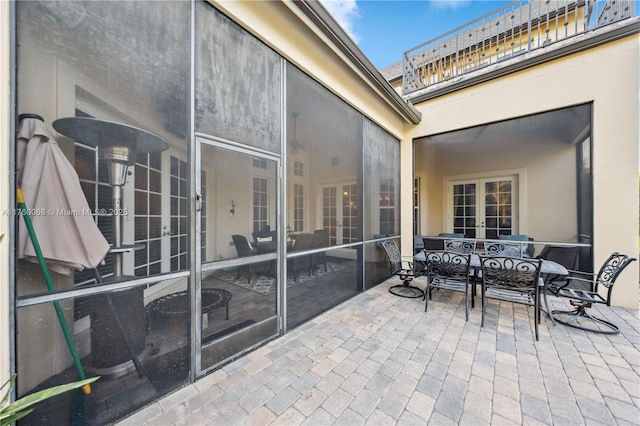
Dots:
pixel 68 236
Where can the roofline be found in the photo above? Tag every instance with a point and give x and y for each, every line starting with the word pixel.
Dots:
pixel 325 22
pixel 570 49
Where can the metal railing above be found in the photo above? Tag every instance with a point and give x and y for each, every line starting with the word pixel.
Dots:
pixel 510 31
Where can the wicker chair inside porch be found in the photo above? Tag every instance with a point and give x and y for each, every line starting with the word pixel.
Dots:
pixel 244 249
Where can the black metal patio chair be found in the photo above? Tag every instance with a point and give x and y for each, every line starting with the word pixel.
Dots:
pixel 403 269
pixel 504 249
pixel 448 271
pixel 433 243
pixel 460 246
pixel 527 249
pixel 582 300
pixel 513 280
pixel 565 256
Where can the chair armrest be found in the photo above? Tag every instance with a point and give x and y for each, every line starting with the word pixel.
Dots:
pixel 564 282
pixel 573 272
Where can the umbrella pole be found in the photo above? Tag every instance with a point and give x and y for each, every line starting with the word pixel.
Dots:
pixel 47 277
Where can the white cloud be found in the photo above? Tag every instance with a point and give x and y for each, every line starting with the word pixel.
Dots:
pixel 345 12
pixel 448 4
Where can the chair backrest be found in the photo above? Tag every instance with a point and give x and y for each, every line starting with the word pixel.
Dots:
pixel 460 246
pixel 451 235
pixel 510 272
pixel 320 238
pixel 565 256
pixel 303 242
pixel 418 244
pixel 504 249
pixel 610 271
pixel 242 245
pixel 264 236
pixel 393 254
pixel 527 249
pixel 436 244
pixel 448 265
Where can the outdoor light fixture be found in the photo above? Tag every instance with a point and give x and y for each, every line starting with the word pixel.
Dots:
pixel 232 210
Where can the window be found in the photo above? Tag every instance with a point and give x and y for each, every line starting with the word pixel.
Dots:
pixel 260 208
pixel 93 180
pixel 178 215
pixel 387 207
pixel 260 163
pixel 298 207
pixel 416 206
pixel 203 216
pixel 298 168
pixel 148 214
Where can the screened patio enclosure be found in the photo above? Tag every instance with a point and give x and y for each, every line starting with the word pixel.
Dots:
pixel 525 176
pixel 262 211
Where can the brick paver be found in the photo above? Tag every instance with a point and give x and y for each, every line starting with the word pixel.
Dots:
pixel 379 359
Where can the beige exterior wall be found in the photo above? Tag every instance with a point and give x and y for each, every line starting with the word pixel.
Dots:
pixel 5 347
pixel 583 77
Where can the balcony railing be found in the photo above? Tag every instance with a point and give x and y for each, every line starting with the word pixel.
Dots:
pixel 512 30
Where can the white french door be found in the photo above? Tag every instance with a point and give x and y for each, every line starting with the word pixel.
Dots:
pixel 483 208
pixel 340 212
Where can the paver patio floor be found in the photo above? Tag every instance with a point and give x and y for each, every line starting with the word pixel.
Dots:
pixel 380 359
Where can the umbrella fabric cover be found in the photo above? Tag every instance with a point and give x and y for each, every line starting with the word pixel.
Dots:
pixel 68 236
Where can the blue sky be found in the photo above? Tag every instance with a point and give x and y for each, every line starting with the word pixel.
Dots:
pixel 384 29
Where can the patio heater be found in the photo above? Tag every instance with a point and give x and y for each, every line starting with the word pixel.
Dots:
pixel 118 321
pixel 118 144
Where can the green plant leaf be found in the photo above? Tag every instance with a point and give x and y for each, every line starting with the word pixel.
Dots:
pixel 7 420
pixel 9 382
pixel 36 397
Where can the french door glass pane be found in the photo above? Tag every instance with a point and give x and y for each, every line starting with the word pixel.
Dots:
pixel 498 212
pixel 464 209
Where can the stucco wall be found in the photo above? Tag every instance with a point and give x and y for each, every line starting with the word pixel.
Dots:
pixel 608 77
